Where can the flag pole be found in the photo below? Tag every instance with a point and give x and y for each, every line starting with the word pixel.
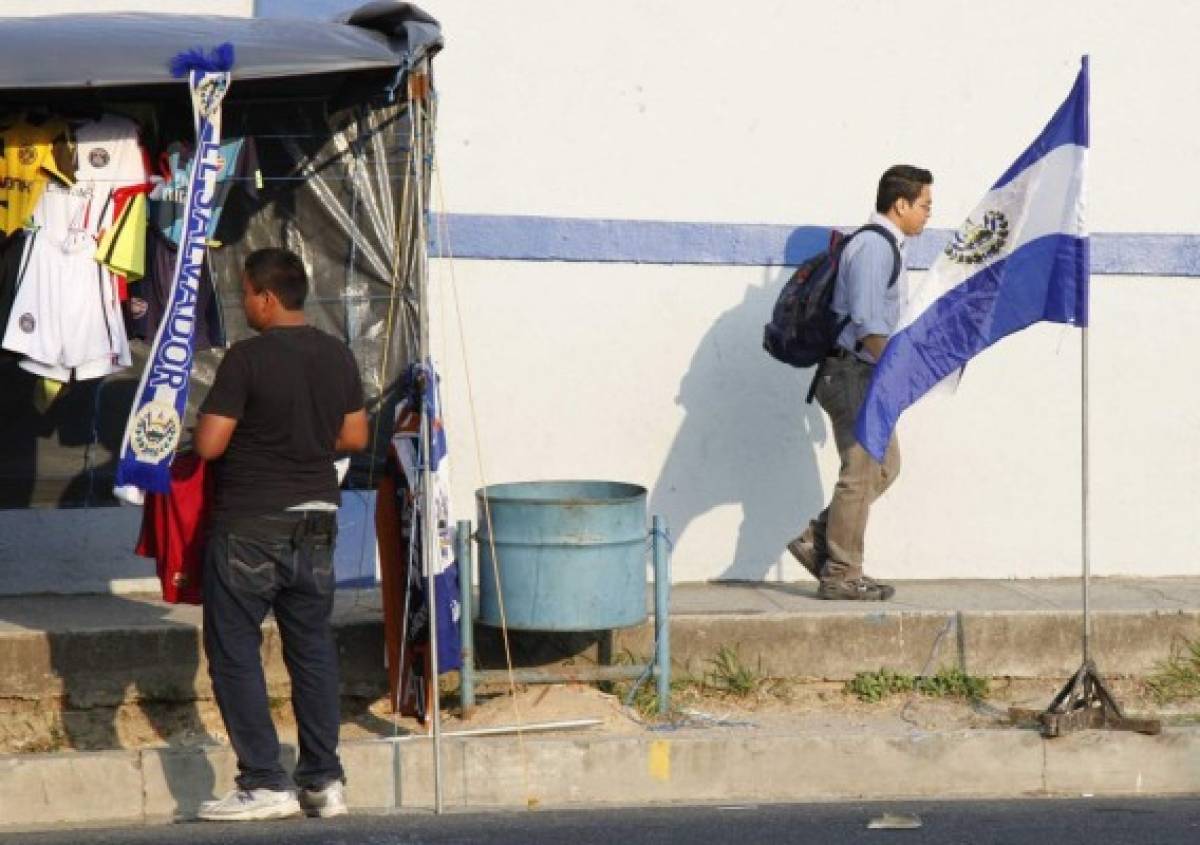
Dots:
pixel 1085 702
pixel 1086 502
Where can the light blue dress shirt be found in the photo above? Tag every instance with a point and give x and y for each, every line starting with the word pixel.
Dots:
pixel 862 291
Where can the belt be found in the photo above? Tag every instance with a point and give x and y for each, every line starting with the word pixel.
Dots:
pixel 842 352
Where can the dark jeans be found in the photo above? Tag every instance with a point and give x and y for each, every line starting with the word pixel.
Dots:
pixel 284 563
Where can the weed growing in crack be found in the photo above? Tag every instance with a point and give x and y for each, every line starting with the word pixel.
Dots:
pixel 1178 677
pixel 947 683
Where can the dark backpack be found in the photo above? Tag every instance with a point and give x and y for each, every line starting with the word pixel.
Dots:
pixel 804 326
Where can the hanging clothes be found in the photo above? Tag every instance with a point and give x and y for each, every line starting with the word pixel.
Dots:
pixel 66 316
pixel 238 160
pixel 122 247
pixel 175 527
pixel 151 295
pixel 403 570
pixel 26 166
pixel 12 265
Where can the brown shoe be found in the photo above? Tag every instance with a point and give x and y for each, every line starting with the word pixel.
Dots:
pixel 806 552
pixel 888 589
pixel 857 589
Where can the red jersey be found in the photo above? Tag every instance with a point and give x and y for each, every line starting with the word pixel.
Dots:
pixel 174 529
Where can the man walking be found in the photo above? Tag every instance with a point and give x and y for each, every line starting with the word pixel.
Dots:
pixel 870 295
pixel 282 404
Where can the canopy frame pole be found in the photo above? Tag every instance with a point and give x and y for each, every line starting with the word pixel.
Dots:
pixel 418 89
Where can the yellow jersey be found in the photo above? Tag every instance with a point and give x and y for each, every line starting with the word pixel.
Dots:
pixel 26 163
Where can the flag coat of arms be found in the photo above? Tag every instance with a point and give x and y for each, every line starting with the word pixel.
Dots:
pixel 1021 257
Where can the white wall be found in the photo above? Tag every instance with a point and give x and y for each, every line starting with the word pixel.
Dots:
pixel 654 374
pixel 706 111
pixel 709 110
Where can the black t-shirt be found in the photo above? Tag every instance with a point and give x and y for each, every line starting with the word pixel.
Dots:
pixel 289 388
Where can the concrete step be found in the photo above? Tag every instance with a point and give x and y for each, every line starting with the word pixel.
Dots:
pixel 101 650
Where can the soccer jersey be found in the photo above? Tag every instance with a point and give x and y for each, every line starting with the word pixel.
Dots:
pixel 173 531
pixel 108 153
pixel 122 246
pixel 168 199
pixel 25 165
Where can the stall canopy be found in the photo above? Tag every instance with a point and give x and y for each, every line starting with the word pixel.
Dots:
pixel 113 50
pixel 336 120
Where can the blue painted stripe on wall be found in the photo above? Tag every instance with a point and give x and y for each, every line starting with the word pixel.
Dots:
pixel 527 238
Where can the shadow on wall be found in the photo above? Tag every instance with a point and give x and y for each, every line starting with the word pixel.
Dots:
pixel 747 438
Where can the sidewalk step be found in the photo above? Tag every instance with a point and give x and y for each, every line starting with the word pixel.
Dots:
pixel 90 651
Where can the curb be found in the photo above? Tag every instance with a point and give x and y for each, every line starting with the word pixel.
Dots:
pixel 689 766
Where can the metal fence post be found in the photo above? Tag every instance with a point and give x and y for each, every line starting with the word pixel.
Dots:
pixel 662 620
pixel 466 618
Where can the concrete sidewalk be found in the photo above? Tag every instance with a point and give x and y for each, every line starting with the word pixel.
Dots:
pixel 88 651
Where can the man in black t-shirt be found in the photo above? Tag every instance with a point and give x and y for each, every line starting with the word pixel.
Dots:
pixel 283 404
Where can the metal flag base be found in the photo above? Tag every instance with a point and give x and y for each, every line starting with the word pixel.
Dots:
pixel 1085 703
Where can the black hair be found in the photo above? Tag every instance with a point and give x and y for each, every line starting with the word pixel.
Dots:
pixel 281 272
pixel 900 180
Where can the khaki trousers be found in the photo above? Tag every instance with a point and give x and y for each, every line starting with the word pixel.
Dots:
pixel 838 531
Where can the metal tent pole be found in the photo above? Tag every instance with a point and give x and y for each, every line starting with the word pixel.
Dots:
pixel 431 555
pixel 418 85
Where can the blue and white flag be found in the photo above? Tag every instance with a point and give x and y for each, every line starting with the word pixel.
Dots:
pixel 1022 257
pixel 156 418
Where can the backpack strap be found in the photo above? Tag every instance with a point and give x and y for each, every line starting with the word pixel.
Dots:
pixel 896 265
pixel 887 236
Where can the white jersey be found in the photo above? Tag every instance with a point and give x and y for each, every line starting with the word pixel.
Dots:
pixel 66 316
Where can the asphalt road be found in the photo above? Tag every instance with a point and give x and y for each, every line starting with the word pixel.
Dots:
pixel 1087 822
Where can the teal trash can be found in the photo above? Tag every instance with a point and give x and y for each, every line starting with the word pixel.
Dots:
pixel 571 555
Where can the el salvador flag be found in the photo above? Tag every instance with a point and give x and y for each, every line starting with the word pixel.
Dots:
pixel 1021 257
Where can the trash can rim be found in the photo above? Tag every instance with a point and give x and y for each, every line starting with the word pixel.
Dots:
pixel 495 492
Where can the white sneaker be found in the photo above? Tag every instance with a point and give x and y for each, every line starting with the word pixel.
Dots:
pixel 326 802
pixel 251 805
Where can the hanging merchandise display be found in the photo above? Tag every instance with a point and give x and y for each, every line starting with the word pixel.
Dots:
pixel 28 162
pixel 404 569
pixel 156 419
pixel 65 315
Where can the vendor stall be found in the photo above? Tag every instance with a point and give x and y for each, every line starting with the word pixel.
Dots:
pixel 326 129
